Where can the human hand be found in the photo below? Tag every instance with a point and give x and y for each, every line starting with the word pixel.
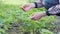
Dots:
pixel 27 6
pixel 37 15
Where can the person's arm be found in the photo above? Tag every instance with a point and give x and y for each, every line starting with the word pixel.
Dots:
pixel 38 3
pixel 29 6
pixel 54 10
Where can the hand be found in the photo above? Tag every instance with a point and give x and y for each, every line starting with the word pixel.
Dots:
pixel 54 10
pixel 37 15
pixel 27 6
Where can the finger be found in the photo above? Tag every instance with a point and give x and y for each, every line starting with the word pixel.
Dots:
pixel 32 14
pixel 33 17
pixel 21 7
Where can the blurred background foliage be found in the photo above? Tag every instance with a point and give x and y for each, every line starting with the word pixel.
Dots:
pixel 11 13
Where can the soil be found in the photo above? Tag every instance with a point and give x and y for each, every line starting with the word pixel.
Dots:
pixel 15 27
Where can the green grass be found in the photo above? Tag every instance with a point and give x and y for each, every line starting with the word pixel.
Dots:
pixel 14 2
